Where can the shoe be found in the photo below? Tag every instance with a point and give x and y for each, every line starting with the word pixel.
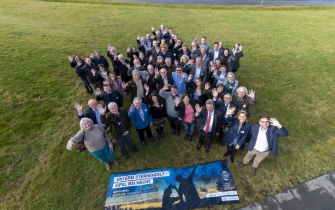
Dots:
pixel 232 158
pixel 186 137
pixel 135 149
pixel 173 131
pixel 152 139
pixel 108 166
pixel 190 138
pixel 144 143
pixel 226 154
pixel 198 146
pixel 162 133
pixel 177 133
pixel 116 162
pixel 207 149
pixel 253 171
pixel 126 156
pixel 241 164
pixel 159 136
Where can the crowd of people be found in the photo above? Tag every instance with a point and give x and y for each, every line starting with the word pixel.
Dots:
pixel 167 79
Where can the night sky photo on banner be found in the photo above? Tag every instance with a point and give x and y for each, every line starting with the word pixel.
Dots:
pixel 173 188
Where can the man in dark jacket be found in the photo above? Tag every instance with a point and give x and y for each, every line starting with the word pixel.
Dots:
pixel 264 139
pixel 109 95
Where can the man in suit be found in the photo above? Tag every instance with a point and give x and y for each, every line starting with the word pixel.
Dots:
pixel 197 70
pixel 90 72
pixel 162 79
pixel 109 95
pixel 264 139
pixel 92 112
pixel 99 59
pixel 215 52
pixel 208 122
pixel 122 68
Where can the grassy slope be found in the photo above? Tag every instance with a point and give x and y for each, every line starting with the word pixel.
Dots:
pixel 288 61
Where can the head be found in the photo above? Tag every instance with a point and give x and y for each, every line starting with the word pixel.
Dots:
pixel 264 121
pixel 210 105
pixel 237 46
pixel 97 53
pixel 142 40
pixel 223 69
pixel 113 108
pixel 174 90
pixel 102 68
pixel 120 57
pixel 216 45
pixel 162 27
pixel 154 43
pixel 147 36
pixel 203 50
pixel 137 102
pixel 92 103
pixel 179 41
pixel 203 40
pixel 133 48
pixel 136 62
pixel 163 41
pixel 168 61
pixel 141 55
pixel 153 97
pixel 185 99
pixel 198 61
pixel 88 61
pixel 220 44
pixel 158 33
pixel 77 58
pixel 162 72
pixel 171 30
pixel 136 75
pixel 242 116
pixel 112 50
pixel 163 50
pixel 194 45
pixel 160 59
pixel 241 91
pixel 184 59
pixel 150 69
pixel 226 52
pixel 217 62
pixel 85 123
pixel 184 47
pixel 112 76
pixel 220 88
pixel 231 77
pixel 227 98
pixel 179 70
pixel 107 89
pixel 198 82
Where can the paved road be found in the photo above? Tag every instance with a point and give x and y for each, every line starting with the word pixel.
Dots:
pixel 242 2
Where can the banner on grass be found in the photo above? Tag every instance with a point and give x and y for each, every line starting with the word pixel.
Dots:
pixel 172 188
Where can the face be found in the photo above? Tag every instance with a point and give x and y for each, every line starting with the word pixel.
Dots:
pixel 154 43
pixel 163 73
pixel 107 89
pixel 93 104
pixel 154 98
pixel 226 52
pixel 141 55
pixel 136 76
pixel 159 60
pixel 121 58
pixel 242 118
pixel 86 125
pixel 240 93
pixel 184 60
pixel 236 46
pixel 112 76
pixel 216 47
pixel 147 36
pixel 179 42
pixel 198 83
pixel 194 45
pixel 223 69
pixel 186 100
pixel 150 69
pixel 217 62
pixel 209 108
pixel 174 91
pixel 227 99
pixel 137 104
pixel 134 49
pixel 178 70
pixel 264 123
pixel 102 69
pixel 198 62
pixel 163 50
pixel 76 58
pixel 230 78
pixel 203 41
pixel 97 54
pixel 163 41
pixel 168 62
pixel 220 89
pixel 88 61
pixel 184 48
pixel 203 51
pixel 220 44
pixel 113 109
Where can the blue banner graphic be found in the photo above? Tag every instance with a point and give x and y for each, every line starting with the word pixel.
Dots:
pixel 172 188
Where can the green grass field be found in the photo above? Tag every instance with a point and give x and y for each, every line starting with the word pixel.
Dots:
pixel 289 62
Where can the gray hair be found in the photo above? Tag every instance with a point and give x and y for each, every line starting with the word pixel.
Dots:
pixel 210 101
pixel 82 121
pixel 242 88
pixel 112 104
pixel 137 98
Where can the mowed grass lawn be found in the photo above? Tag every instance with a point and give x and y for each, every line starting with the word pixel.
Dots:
pixel 289 62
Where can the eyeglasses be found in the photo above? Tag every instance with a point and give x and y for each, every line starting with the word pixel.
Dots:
pixel 227 98
pixel 264 121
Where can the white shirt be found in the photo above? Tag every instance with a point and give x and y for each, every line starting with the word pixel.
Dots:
pixel 211 123
pixel 216 55
pixel 261 141
pixel 197 73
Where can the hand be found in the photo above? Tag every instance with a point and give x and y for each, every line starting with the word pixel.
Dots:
pixel 230 111
pixel 210 50
pixel 101 109
pixel 110 145
pixel 132 107
pixel 166 87
pixel 93 72
pixel 109 47
pixel 78 107
pixel 128 50
pixel 217 134
pixel 190 77
pixel 152 28
pixel 196 38
pixel 237 146
pixel 197 108
pixel 150 58
pixel 125 133
pixel 128 65
pixel 124 85
pixel 175 62
pixel 252 94
pixel 215 93
pixel 215 72
pixel 274 122
pixel 183 75
pixel 207 86
pixel 156 72
pixel 70 58
pixel 138 37
pixel 97 91
pixel 146 87
pixel 189 62
pixel 151 124
pixel 177 101
pixel 69 145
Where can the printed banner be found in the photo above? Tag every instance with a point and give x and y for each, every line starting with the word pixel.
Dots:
pixel 172 188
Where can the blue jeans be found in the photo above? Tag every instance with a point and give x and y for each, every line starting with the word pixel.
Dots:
pixel 189 127
pixel 103 154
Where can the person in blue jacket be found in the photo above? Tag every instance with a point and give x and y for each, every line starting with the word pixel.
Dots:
pixel 238 134
pixel 263 140
pixel 142 119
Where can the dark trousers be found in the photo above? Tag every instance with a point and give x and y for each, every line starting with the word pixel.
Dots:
pixel 174 122
pixel 122 140
pixel 207 136
pixel 141 132
pixel 231 150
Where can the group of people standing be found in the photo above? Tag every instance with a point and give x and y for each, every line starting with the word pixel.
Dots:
pixel 166 79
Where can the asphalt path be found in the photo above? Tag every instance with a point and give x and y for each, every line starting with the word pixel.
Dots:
pixel 242 2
